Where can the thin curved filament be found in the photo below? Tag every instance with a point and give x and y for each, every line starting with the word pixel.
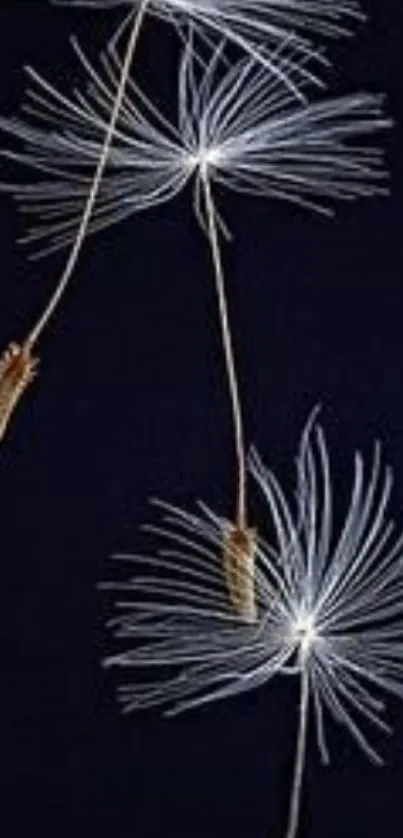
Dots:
pixel 92 195
pixel 239 545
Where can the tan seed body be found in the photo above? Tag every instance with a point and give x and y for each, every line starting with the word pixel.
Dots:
pixel 238 559
pixel 17 369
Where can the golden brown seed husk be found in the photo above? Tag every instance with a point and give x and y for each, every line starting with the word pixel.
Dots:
pixel 17 369
pixel 239 558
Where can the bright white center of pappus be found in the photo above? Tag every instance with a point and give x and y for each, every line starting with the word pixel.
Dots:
pixel 203 157
pixel 304 631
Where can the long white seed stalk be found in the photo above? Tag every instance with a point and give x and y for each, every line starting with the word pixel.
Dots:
pixel 241 515
pixel 299 756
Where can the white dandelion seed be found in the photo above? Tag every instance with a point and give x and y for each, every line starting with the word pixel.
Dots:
pixel 250 25
pixel 329 607
pixel 251 20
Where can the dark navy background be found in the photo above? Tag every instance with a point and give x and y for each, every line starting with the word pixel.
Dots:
pixel 130 403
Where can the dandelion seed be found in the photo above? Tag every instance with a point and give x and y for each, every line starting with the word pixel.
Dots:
pixel 17 369
pixel 217 15
pixel 329 607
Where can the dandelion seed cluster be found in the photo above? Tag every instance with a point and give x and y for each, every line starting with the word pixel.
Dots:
pixel 219 610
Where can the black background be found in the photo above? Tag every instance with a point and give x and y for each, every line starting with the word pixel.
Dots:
pixel 130 403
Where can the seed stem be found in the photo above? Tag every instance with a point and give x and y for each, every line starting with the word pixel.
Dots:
pixel 241 507
pixel 92 195
pixel 299 756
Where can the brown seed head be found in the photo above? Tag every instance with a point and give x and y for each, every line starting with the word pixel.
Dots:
pixel 238 558
pixel 17 369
